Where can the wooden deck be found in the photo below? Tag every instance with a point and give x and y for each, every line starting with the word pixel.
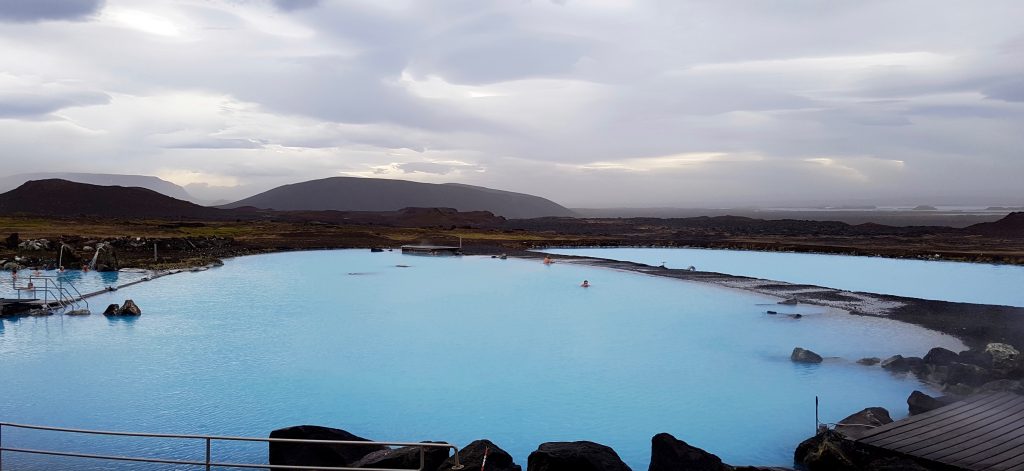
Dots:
pixel 984 432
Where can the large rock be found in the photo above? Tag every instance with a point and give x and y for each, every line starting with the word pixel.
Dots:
pixel 862 422
pixel 1003 385
pixel 406 457
pixel 939 356
pixel 129 308
pixel 958 390
pixel 975 357
pixel 575 456
pixel 919 402
pixel 671 454
pixel 472 458
pixel 901 364
pixel 1004 356
pixel 308 454
pixel 960 373
pixel 111 310
pixel 827 451
pixel 12 241
pixel 800 355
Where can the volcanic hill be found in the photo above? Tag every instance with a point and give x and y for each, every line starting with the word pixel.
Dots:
pixel 374 194
pixel 56 197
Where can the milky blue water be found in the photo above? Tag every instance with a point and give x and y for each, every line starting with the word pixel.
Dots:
pixel 938 280
pixel 84 282
pixel 450 348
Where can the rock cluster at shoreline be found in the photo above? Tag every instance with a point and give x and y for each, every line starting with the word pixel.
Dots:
pixel 997 367
pixel 667 454
pixel 73 252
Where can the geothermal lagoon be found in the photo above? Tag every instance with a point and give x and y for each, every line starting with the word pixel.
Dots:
pixel 963 282
pixel 445 348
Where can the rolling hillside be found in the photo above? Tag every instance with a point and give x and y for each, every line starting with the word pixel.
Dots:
pixel 65 198
pixel 103 179
pixel 372 194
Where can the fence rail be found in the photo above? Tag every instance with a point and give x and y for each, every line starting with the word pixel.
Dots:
pixel 208 462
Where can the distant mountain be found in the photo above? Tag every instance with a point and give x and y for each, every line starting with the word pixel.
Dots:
pixel 1010 226
pixel 373 194
pixel 65 198
pixel 103 179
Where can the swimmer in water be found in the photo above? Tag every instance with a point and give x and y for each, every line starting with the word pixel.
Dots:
pixel 548 261
pixel 586 284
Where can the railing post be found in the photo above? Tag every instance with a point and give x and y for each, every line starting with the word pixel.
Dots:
pixel 207 454
pixel 1 447
pixel 457 464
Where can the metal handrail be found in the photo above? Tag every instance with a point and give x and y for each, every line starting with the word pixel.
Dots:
pixel 77 296
pixel 64 294
pixel 208 462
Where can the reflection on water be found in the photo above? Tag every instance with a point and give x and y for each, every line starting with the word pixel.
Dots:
pixel 453 348
pixel 123 320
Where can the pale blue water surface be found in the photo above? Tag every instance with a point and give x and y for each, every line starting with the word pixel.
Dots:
pixel 84 282
pixel 450 348
pixel 938 280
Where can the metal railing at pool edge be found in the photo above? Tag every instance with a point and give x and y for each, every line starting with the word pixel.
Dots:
pixel 208 439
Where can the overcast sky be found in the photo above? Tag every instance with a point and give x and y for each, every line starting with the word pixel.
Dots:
pixel 592 103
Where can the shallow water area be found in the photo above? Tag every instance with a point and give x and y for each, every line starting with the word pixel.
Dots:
pixel 448 348
pixel 937 280
pixel 82 281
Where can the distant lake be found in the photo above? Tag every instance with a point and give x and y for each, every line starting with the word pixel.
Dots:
pixel 937 280
pixel 448 348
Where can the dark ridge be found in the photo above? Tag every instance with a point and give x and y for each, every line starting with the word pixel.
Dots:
pixel 103 179
pixel 405 217
pixel 1010 226
pixel 373 194
pixel 56 197
pixel 62 198
pixel 719 225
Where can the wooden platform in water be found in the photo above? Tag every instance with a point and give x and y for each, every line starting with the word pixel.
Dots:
pixel 984 432
pixel 18 306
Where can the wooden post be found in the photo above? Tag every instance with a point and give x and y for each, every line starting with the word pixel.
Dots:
pixel 154 251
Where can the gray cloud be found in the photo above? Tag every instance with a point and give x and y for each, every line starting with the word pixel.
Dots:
pixel 34 104
pixel 215 143
pixel 1011 89
pixel 666 103
pixel 433 167
pixel 291 5
pixel 40 10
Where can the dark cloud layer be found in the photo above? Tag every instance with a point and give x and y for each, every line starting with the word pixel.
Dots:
pixel 31 104
pixel 40 10
pixel 291 5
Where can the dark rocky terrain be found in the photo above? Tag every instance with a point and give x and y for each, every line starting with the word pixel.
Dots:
pixel 1010 226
